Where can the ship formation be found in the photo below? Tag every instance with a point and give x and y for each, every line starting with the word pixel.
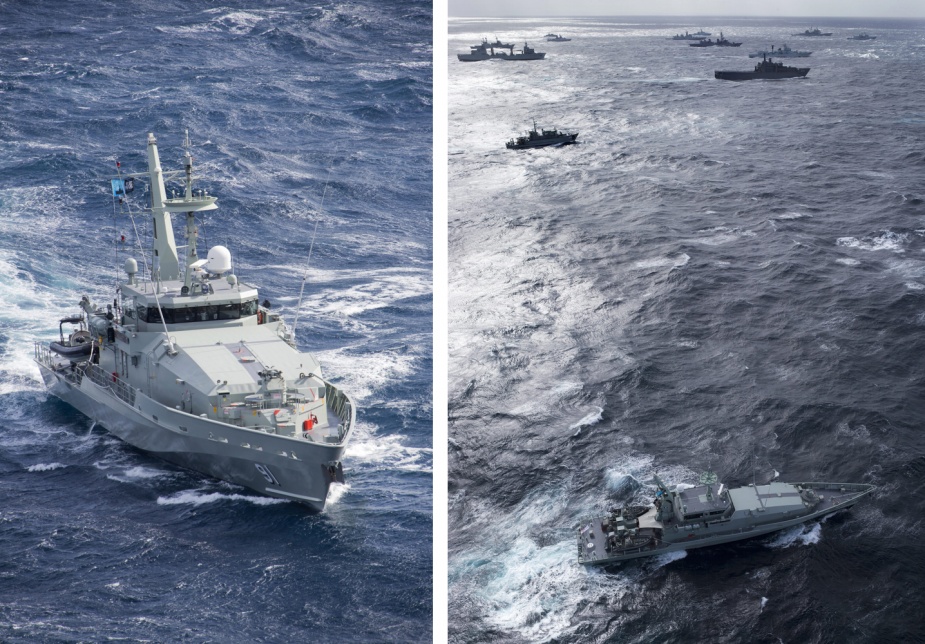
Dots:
pixel 187 364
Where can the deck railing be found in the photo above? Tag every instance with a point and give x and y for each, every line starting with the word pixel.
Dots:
pixel 119 388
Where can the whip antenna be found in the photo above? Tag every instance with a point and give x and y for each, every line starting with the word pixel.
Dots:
pixel 311 246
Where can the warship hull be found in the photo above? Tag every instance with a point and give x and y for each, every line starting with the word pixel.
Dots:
pixel 744 76
pixel 473 58
pixel 559 140
pixel 592 536
pixel 536 56
pixel 273 465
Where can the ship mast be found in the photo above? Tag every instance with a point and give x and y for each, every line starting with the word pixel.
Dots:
pixel 166 265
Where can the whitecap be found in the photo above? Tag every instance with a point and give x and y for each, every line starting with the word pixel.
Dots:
pixel 663 262
pixel 886 240
pixel 45 467
pixel 591 419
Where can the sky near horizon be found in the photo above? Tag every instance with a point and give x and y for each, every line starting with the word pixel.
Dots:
pixel 788 8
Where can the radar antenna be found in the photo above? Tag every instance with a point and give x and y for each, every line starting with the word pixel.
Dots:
pixel 708 478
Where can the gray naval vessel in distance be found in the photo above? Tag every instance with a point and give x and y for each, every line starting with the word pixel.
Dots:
pixel 708 515
pixel 780 52
pixel 189 366
pixel 477 53
pixel 540 138
pixel 813 32
pixel 766 69
pixel 492 51
pixel 686 36
pixel 719 42
pixel 527 53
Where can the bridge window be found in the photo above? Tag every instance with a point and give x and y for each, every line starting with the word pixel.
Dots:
pixel 193 314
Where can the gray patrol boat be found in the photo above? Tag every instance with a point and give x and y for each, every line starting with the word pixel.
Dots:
pixel 708 515
pixel 187 365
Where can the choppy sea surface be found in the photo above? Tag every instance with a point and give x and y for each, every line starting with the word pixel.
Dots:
pixel 719 275
pixel 286 103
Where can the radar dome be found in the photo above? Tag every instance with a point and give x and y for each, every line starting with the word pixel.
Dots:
pixel 219 260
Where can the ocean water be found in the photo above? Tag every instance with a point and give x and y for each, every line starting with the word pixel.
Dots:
pixel 286 104
pixel 725 276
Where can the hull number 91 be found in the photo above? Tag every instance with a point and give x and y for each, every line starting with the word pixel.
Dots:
pixel 267 474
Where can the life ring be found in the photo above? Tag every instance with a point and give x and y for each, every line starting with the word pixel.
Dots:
pixel 309 423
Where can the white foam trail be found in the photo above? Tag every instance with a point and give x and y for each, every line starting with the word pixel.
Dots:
pixel 531 586
pixel 660 561
pixel 798 535
pixel 336 492
pixel 192 497
pixel 137 473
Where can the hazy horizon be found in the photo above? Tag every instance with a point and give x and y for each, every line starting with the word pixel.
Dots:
pixel 669 8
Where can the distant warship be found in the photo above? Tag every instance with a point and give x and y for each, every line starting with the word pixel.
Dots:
pixel 527 53
pixel 780 52
pixel 477 53
pixel 708 515
pixel 765 69
pixel 719 42
pixel 556 38
pixel 687 36
pixel 540 138
pixel 486 51
pixel 863 37
pixel 813 32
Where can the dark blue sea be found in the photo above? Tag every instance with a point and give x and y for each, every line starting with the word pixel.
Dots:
pixel 718 276
pixel 287 103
